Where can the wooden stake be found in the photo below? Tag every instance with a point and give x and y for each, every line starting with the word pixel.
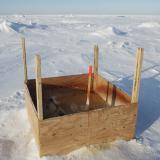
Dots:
pixel 89 85
pixel 137 75
pixel 39 86
pixel 24 60
pixel 96 54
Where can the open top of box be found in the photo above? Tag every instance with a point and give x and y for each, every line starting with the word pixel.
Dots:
pixel 67 95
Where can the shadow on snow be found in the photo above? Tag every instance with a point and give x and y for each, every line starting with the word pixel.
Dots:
pixel 149 100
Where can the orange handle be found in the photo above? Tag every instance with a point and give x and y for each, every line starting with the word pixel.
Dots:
pixel 90 70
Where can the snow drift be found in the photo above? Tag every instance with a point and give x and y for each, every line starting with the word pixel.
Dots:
pixel 7 26
pixel 149 25
pixel 109 31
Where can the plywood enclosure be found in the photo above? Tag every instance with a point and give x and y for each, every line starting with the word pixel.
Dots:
pixel 103 123
pixel 110 114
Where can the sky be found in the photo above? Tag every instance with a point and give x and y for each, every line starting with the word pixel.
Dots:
pixel 118 7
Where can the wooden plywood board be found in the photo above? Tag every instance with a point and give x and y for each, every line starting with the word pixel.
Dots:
pixel 63 134
pixel 113 95
pixel 73 81
pixel 32 115
pixel 112 123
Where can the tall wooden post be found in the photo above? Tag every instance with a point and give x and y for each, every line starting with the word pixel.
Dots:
pixel 39 86
pixel 95 76
pixel 24 60
pixel 137 75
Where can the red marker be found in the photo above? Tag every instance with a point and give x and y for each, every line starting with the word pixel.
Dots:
pixel 90 70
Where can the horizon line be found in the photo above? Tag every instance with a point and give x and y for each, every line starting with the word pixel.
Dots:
pixel 75 14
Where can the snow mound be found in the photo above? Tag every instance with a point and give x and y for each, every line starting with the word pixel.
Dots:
pixel 123 44
pixel 149 25
pixel 7 26
pixel 15 130
pixel 109 31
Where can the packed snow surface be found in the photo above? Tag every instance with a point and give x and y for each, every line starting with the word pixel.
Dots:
pixel 149 25
pixel 65 43
pixel 109 31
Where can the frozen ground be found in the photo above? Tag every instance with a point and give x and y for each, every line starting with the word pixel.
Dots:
pixel 65 44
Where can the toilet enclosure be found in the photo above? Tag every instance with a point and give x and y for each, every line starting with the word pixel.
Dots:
pixel 111 114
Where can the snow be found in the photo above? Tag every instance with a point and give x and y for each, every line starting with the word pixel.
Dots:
pixel 65 43
pixel 4 27
pixel 109 31
pixel 7 26
pixel 149 25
